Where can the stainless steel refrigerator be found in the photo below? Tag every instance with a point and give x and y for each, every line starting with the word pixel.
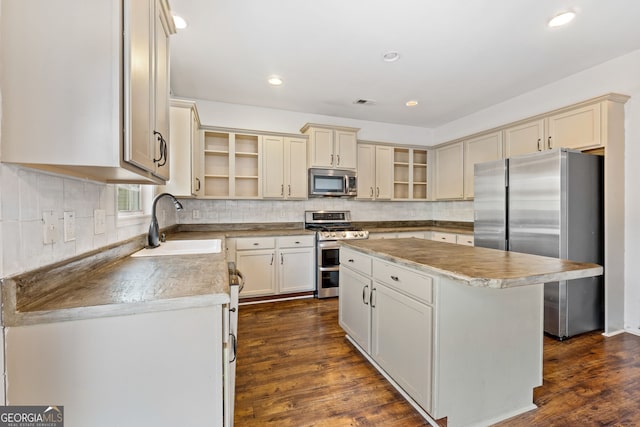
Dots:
pixel 551 204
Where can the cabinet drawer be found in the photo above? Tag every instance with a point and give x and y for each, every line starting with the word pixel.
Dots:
pixel 464 239
pixel 244 243
pixel 355 260
pixel 404 280
pixel 296 241
pixel 443 237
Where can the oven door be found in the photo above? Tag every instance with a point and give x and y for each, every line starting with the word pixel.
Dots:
pixel 328 269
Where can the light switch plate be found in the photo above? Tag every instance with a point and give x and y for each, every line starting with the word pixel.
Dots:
pixel 49 227
pixel 99 221
pixel 69 226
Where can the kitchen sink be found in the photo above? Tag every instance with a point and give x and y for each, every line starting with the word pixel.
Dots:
pixel 182 247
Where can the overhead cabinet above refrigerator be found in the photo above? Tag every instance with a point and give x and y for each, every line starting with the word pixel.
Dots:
pixel 549 204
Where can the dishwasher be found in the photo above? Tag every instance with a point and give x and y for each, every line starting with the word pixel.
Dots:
pixel 236 283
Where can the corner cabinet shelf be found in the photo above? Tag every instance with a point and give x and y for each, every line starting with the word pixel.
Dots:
pixel 409 174
pixel 232 166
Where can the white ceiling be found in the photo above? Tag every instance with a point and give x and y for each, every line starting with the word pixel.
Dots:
pixel 457 56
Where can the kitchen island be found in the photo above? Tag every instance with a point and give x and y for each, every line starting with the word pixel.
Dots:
pixel 458 330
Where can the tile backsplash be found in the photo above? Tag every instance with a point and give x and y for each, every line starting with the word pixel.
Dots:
pixel 25 193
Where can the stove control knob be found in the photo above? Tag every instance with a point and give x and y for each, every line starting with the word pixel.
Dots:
pixel 325 234
pixel 344 234
pixel 333 234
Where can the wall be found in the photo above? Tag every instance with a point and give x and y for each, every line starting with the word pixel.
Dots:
pixel 265 119
pixel 620 75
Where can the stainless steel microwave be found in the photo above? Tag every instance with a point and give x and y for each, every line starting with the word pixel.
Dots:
pixel 332 183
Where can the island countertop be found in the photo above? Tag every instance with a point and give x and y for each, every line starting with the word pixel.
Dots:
pixel 474 266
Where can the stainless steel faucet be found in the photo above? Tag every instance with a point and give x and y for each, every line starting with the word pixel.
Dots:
pixel 154 239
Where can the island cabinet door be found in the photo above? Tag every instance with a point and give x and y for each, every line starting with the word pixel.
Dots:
pixel 354 306
pixel 401 341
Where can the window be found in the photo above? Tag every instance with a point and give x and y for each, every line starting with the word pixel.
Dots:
pixel 129 199
pixel 133 204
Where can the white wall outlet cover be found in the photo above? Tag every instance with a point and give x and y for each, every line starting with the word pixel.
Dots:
pixel 196 214
pixel 99 221
pixel 69 226
pixel 49 227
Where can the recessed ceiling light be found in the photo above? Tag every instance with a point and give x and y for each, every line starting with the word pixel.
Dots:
pixel 179 21
pixel 411 103
pixel 390 56
pixel 275 81
pixel 562 19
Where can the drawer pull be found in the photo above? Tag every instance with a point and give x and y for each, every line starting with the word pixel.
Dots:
pixel 256 244
pixel 350 260
pixel 395 278
pixel 297 243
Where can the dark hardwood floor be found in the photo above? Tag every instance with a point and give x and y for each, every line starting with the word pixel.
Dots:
pixel 295 368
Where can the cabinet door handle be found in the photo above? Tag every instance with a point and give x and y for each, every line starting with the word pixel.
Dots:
pixel 281 259
pixel 395 278
pixel 234 346
pixel 371 193
pixel 539 148
pixel 377 191
pixel 289 190
pixel 371 298
pixel 364 290
pixel 162 160
pixel 331 163
pixel 549 143
pixel 197 184
pixel 282 189
pixel 338 157
pixel 272 255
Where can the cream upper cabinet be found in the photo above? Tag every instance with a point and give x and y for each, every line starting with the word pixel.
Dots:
pixel 449 171
pixel 184 137
pixel 524 138
pixel 284 167
pixel 576 128
pixel 409 173
pixel 477 150
pixel 375 172
pixel 232 167
pixel 331 147
pixel 113 80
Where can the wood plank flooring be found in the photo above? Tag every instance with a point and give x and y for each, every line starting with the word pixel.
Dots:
pixel 295 368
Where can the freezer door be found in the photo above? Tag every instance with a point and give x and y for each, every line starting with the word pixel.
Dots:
pixel 535 190
pixel 489 204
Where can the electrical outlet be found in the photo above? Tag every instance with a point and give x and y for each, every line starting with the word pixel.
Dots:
pixel 99 221
pixel 49 227
pixel 196 214
pixel 69 226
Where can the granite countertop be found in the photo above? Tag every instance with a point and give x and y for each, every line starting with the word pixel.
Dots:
pixel 114 284
pixel 474 266
pixel 108 282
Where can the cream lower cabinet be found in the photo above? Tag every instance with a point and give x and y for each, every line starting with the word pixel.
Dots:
pixel 276 265
pixel 442 342
pixel 143 367
pixel 394 327
pixel 284 170
pixel 375 172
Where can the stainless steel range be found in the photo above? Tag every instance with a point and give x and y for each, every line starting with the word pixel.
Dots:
pixel 331 227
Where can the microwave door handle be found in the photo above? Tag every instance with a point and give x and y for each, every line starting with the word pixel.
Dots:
pixel 346 183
